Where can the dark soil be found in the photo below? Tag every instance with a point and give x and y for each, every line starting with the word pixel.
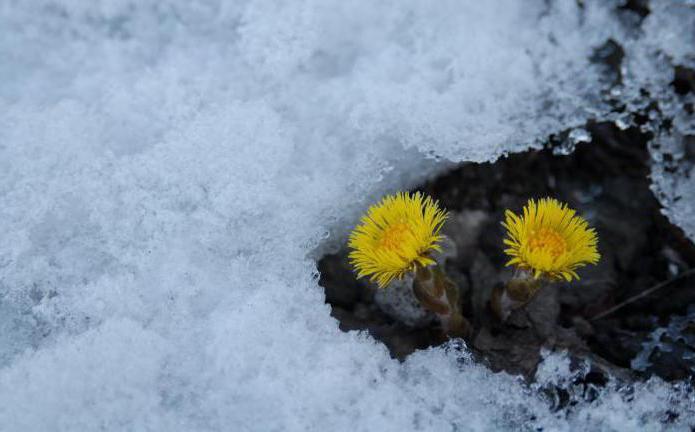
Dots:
pixel 607 181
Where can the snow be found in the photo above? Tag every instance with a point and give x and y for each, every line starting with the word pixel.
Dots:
pixel 171 170
pixel 667 42
pixel 667 339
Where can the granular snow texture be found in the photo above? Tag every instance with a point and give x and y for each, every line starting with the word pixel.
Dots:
pixel 171 170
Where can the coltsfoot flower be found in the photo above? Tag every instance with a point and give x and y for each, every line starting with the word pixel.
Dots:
pixel 396 236
pixel 549 240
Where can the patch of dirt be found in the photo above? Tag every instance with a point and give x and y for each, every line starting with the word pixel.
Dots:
pixel 607 182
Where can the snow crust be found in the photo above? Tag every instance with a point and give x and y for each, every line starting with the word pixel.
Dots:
pixel 170 170
pixel 667 42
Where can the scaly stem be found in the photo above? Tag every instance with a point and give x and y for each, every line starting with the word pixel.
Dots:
pixel 515 294
pixel 440 295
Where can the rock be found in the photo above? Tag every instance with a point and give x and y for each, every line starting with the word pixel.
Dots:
pixel 543 311
pixel 483 278
pixel 464 228
pixel 582 327
pixel 398 301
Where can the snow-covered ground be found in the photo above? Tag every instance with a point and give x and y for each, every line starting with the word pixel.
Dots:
pixel 171 169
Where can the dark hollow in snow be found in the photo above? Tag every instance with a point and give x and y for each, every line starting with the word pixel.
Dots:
pixel 607 182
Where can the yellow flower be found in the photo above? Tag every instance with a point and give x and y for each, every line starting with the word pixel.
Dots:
pixel 549 240
pixel 395 236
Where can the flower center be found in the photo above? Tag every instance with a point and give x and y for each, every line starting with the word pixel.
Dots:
pixel 393 236
pixel 547 240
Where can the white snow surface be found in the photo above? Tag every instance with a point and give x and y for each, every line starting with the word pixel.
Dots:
pixel 171 170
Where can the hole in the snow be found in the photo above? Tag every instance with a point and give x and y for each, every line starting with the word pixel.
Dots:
pixel 683 80
pixel 640 7
pixel 610 56
pixel 606 180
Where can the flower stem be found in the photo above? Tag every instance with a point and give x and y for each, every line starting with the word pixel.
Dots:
pixel 440 295
pixel 515 294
